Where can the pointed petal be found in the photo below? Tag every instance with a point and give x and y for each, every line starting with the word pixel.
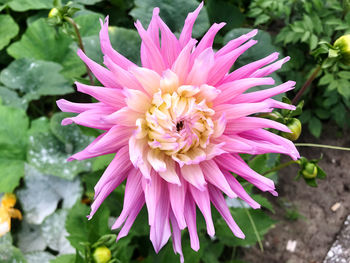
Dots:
pixel 177 196
pixel 176 237
pixel 201 67
pixel 194 175
pixel 190 217
pixel 182 63
pixel 186 32
pixel 67 106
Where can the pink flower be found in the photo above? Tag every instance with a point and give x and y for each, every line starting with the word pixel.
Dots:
pixel 177 125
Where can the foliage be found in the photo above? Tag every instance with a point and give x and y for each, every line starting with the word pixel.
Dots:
pixel 38 65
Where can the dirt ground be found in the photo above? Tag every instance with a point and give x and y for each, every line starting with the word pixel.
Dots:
pixel 318 226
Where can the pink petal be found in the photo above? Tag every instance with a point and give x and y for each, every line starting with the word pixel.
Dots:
pixel 223 63
pixel 194 175
pixel 137 100
pixel 190 217
pixel 261 95
pixel 182 63
pixel 170 175
pixel 123 117
pixel 186 32
pixel 107 49
pixel 133 193
pixel 114 139
pixel 247 70
pixel 149 79
pixel 230 90
pixel 239 190
pixel 201 67
pixel 155 60
pixel 106 77
pixel 220 204
pixel 112 97
pixel 176 237
pixel 233 144
pixel 177 196
pixel 203 202
pixel 234 163
pixel 251 123
pixel 67 106
pixel 213 174
pixel 265 71
pixel 235 43
pixel 207 40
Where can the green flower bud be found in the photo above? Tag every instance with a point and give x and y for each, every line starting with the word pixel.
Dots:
pixel 309 171
pixel 102 255
pixel 295 127
pixel 342 45
pixel 53 12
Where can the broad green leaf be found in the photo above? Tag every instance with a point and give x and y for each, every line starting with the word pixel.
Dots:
pixel 315 126
pixel 49 150
pixel 42 42
pixel 8 30
pixel 70 258
pixel 82 230
pixel 24 5
pixel 42 193
pixel 54 232
pixel 11 172
pixel 219 11
pixel 89 25
pixel 9 253
pixel 11 98
pixel 126 41
pixel 87 2
pixel 37 78
pixel 173 12
pixel 261 220
pixel 13 144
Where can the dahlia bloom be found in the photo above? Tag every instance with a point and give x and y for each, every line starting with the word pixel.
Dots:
pixel 177 125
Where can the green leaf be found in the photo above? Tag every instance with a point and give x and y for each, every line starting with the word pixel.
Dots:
pixel 264 202
pixel 344 74
pixel 173 12
pixel 219 10
pixel 8 30
pixel 49 149
pixel 70 258
pixel 42 193
pixel 87 2
pixel 10 98
pixel 315 127
pixel 82 230
pixel 24 5
pixel 13 144
pixel 89 25
pixel 42 42
pixel 126 41
pixel 344 88
pixel 326 79
pixel 261 220
pixel 313 42
pixel 37 78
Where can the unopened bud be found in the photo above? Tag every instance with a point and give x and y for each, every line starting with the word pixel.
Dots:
pixel 295 127
pixel 102 255
pixel 309 171
pixel 342 47
pixel 53 12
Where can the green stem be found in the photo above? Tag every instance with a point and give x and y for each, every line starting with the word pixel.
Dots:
pixel 80 44
pixel 322 146
pixel 279 167
pixel 306 85
pixel 254 227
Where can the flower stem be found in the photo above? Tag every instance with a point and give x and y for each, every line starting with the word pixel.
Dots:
pixel 80 44
pixel 280 166
pixel 306 85
pixel 322 146
pixel 258 238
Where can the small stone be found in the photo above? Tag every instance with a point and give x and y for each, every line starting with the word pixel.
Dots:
pixel 336 206
pixel 291 245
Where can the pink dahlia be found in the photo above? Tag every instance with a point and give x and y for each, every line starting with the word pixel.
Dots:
pixel 177 125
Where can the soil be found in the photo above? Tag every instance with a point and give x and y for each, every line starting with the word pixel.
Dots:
pixel 318 225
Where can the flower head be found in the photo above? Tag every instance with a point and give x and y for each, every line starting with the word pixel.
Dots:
pixel 177 125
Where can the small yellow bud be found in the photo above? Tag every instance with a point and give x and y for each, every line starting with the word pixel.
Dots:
pixel 7 212
pixel 102 255
pixel 309 171
pixel 342 44
pixel 295 127
pixel 53 12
